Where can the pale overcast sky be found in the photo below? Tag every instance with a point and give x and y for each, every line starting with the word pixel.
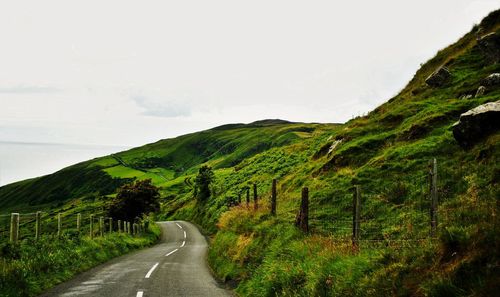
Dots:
pixel 132 72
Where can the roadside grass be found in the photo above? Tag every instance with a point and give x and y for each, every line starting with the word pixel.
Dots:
pixel 31 267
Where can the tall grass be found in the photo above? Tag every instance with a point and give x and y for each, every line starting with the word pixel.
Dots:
pixel 30 267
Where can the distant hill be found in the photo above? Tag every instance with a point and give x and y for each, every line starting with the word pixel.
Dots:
pixel 165 160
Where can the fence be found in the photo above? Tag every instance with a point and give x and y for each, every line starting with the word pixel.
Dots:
pixel 407 215
pixel 19 226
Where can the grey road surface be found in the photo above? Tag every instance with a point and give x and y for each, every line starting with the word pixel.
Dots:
pixel 174 267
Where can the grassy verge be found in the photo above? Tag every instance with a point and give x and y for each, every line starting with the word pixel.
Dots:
pixel 266 256
pixel 31 267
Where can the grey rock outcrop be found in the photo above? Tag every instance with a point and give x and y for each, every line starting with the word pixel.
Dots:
pixel 477 123
pixel 438 78
pixel 489 45
pixel 480 91
pixel 492 80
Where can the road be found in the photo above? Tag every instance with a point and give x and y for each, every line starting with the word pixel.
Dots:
pixel 174 267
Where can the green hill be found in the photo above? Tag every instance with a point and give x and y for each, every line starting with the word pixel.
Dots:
pixel 386 152
pixel 165 161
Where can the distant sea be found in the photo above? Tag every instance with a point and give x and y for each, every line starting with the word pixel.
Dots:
pixel 19 160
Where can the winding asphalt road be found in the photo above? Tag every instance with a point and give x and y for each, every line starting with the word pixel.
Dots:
pixel 174 267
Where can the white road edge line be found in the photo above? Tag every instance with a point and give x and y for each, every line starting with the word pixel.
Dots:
pixel 151 270
pixel 183 243
pixel 140 293
pixel 171 252
pixel 178 225
pixel 184 234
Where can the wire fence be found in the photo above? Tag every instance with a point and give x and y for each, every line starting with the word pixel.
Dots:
pixel 89 222
pixel 405 214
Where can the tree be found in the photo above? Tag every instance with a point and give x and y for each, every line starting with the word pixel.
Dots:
pixel 203 180
pixel 135 199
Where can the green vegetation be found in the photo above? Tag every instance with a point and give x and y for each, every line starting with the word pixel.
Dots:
pixel 387 152
pixel 30 267
pixel 202 183
pixel 135 200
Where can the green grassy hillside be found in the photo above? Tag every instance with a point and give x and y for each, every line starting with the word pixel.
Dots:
pixel 386 152
pixel 165 162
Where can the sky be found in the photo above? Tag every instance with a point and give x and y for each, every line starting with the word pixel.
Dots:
pixel 128 73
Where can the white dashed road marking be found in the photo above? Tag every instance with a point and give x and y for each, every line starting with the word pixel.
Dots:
pixel 183 243
pixel 184 234
pixel 171 252
pixel 178 225
pixel 151 270
pixel 140 293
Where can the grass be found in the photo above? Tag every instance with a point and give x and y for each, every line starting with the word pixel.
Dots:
pixel 387 152
pixel 30 267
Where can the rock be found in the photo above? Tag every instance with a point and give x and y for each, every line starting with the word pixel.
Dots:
pixel 438 78
pixel 489 45
pixel 480 91
pixel 492 80
pixel 334 146
pixel 477 123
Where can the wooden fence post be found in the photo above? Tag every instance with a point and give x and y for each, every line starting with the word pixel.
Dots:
pixel 78 222
pixel 302 220
pixel 101 226
pixel 119 226
pixel 110 220
pixel 434 197
pixel 255 198
pixel 38 225
pixel 248 197
pixel 356 214
pixel 273 198
pixel 14 227
pixel 92 226
pixel 59 225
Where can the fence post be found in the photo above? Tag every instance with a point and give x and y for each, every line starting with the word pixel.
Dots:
pixel 302 220
pixel 59 231
pixel 14 227
pixel 78 222
pixel 38 225
pixel 273 198
pixel 434 197
pixel 110 220
pixel 101 226
pixel 255 198
pixel 248 197
pixel 356 214
pixel 119 226
pixel 91 226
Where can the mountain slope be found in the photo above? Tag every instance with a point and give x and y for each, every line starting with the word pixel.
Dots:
pixel 162 161
pixel 386 152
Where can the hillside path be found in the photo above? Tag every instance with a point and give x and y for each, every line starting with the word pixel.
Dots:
pixel 174 267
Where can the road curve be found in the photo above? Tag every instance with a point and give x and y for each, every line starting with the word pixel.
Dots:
pixel 174 267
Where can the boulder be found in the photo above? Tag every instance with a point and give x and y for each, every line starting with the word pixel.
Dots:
pixel 489 45
pixel 477 123
pixel 438 78
pixel 480 91
pixel 492 80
